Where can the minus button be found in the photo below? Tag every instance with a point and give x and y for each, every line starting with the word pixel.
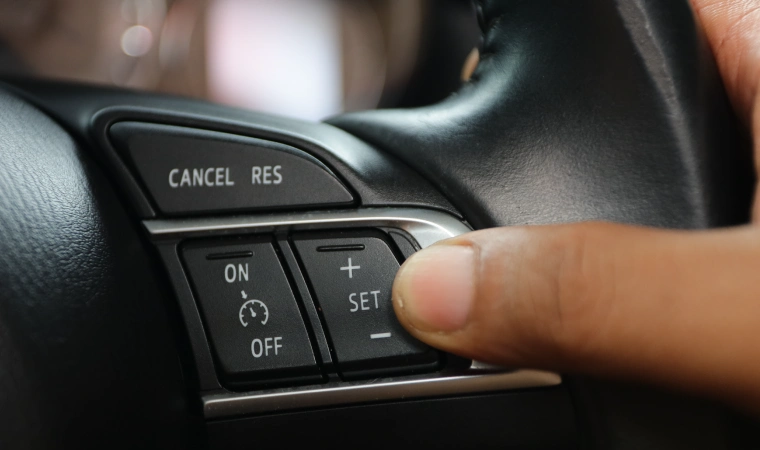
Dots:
pixel 379 335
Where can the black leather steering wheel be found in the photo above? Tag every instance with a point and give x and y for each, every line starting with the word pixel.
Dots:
pixel 582 110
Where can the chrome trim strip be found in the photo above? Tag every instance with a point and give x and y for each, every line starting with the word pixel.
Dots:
pixel 217 406
pixel 426 227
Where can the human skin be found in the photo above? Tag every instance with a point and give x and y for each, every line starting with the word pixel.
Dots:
pixel 680 309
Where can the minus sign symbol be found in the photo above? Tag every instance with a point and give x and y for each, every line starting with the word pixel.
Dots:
pixel 379 335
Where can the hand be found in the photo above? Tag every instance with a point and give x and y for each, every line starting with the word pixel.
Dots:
pixel 677 308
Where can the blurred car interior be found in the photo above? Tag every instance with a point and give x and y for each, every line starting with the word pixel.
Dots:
pixel 308 59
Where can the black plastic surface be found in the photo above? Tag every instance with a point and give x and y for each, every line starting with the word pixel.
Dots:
pixel 190 171
pixel 203 366
pixel 298 282
pixel 406 245
pixel 531 420
pixel 252 317
pixel 352 274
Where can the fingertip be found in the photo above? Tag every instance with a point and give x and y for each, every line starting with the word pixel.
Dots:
pixel 435 289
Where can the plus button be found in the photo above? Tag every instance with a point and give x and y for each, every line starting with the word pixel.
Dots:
pixel 350 268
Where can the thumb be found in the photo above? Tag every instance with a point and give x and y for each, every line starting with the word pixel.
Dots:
pixel 677 308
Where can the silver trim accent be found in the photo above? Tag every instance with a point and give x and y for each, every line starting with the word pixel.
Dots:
pixel 426 227
pixel 224 405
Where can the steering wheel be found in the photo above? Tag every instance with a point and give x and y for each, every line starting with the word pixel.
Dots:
pixel 119 208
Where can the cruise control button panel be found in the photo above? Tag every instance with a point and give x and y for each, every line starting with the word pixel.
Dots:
pixel 251 314
pixel 188 170
pixel 352 274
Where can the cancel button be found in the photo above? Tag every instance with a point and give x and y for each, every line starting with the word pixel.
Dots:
pixel 192 171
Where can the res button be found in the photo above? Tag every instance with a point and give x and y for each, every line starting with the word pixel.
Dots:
pixel 352 275
pixel 193 171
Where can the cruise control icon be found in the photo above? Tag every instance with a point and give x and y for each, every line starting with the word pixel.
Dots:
pixel 254 310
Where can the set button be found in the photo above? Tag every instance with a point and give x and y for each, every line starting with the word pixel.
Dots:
pixel 352 275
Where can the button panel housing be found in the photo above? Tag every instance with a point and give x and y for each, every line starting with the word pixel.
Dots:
pixel 420 227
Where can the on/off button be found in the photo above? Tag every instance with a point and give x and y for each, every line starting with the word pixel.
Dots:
pixel 249 310
pixel 352 276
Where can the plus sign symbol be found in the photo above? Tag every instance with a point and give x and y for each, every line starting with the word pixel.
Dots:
pixel 350 268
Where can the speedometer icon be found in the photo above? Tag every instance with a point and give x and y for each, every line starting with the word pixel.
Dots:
pixel 253 310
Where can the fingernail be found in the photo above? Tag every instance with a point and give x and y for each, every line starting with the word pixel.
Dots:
pixel 435 288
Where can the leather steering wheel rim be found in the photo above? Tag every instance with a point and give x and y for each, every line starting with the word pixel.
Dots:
pixel 583 110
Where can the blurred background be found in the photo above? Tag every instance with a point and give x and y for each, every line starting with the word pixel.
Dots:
pixel 302 58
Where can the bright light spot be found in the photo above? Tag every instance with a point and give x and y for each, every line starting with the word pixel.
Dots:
pixel 278 56
pixel 136 41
